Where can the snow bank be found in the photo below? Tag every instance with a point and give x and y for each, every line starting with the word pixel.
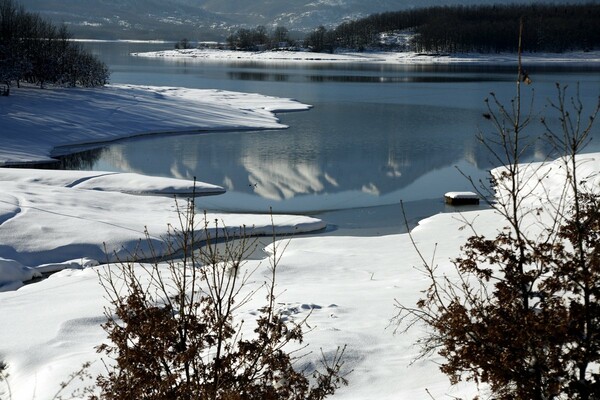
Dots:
pixel 589 58
pixel 106 181
pixel 548 179
pixel 13 274
pixel 35 121
pixel 9 207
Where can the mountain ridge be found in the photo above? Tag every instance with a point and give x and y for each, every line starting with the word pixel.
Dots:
pixel 212 19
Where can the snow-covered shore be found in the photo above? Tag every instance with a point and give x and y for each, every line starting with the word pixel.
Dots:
pixel 60 216
pixel 591 58
pixel 51 220
pixel 61 221
pixel 35 122
pixel 347 284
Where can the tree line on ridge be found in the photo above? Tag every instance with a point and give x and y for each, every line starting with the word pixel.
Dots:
pixel 451 29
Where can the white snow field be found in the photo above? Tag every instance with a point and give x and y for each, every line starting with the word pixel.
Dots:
pixel 348 285
pixel 55 220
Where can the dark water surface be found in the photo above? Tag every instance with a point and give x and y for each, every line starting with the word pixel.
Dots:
pixel 377 134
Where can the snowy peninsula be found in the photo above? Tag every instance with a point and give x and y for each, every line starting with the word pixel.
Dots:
pixel 36 122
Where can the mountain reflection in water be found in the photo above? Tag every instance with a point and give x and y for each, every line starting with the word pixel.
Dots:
pixel 376 135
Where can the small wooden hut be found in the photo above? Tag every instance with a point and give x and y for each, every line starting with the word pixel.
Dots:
pixel 461 198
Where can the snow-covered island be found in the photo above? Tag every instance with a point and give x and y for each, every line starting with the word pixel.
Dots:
pixel 52 220
pixel 590 58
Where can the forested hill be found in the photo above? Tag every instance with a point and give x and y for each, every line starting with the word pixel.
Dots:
pixel 484 28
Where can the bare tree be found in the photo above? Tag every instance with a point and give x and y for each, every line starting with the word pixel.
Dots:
pixel 521 312
pixel 174 330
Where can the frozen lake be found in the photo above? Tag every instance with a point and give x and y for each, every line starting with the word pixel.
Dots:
pixel 377 134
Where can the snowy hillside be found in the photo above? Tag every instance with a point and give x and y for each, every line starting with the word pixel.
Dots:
pixel 212 19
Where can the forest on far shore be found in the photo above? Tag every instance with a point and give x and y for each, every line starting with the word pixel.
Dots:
pixel 552 28
pixel 452 29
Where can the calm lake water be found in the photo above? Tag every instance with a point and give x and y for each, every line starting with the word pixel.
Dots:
pixel 377 134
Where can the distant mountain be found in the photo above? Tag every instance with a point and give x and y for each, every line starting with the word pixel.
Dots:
pixel 212 19
pixel 133 19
